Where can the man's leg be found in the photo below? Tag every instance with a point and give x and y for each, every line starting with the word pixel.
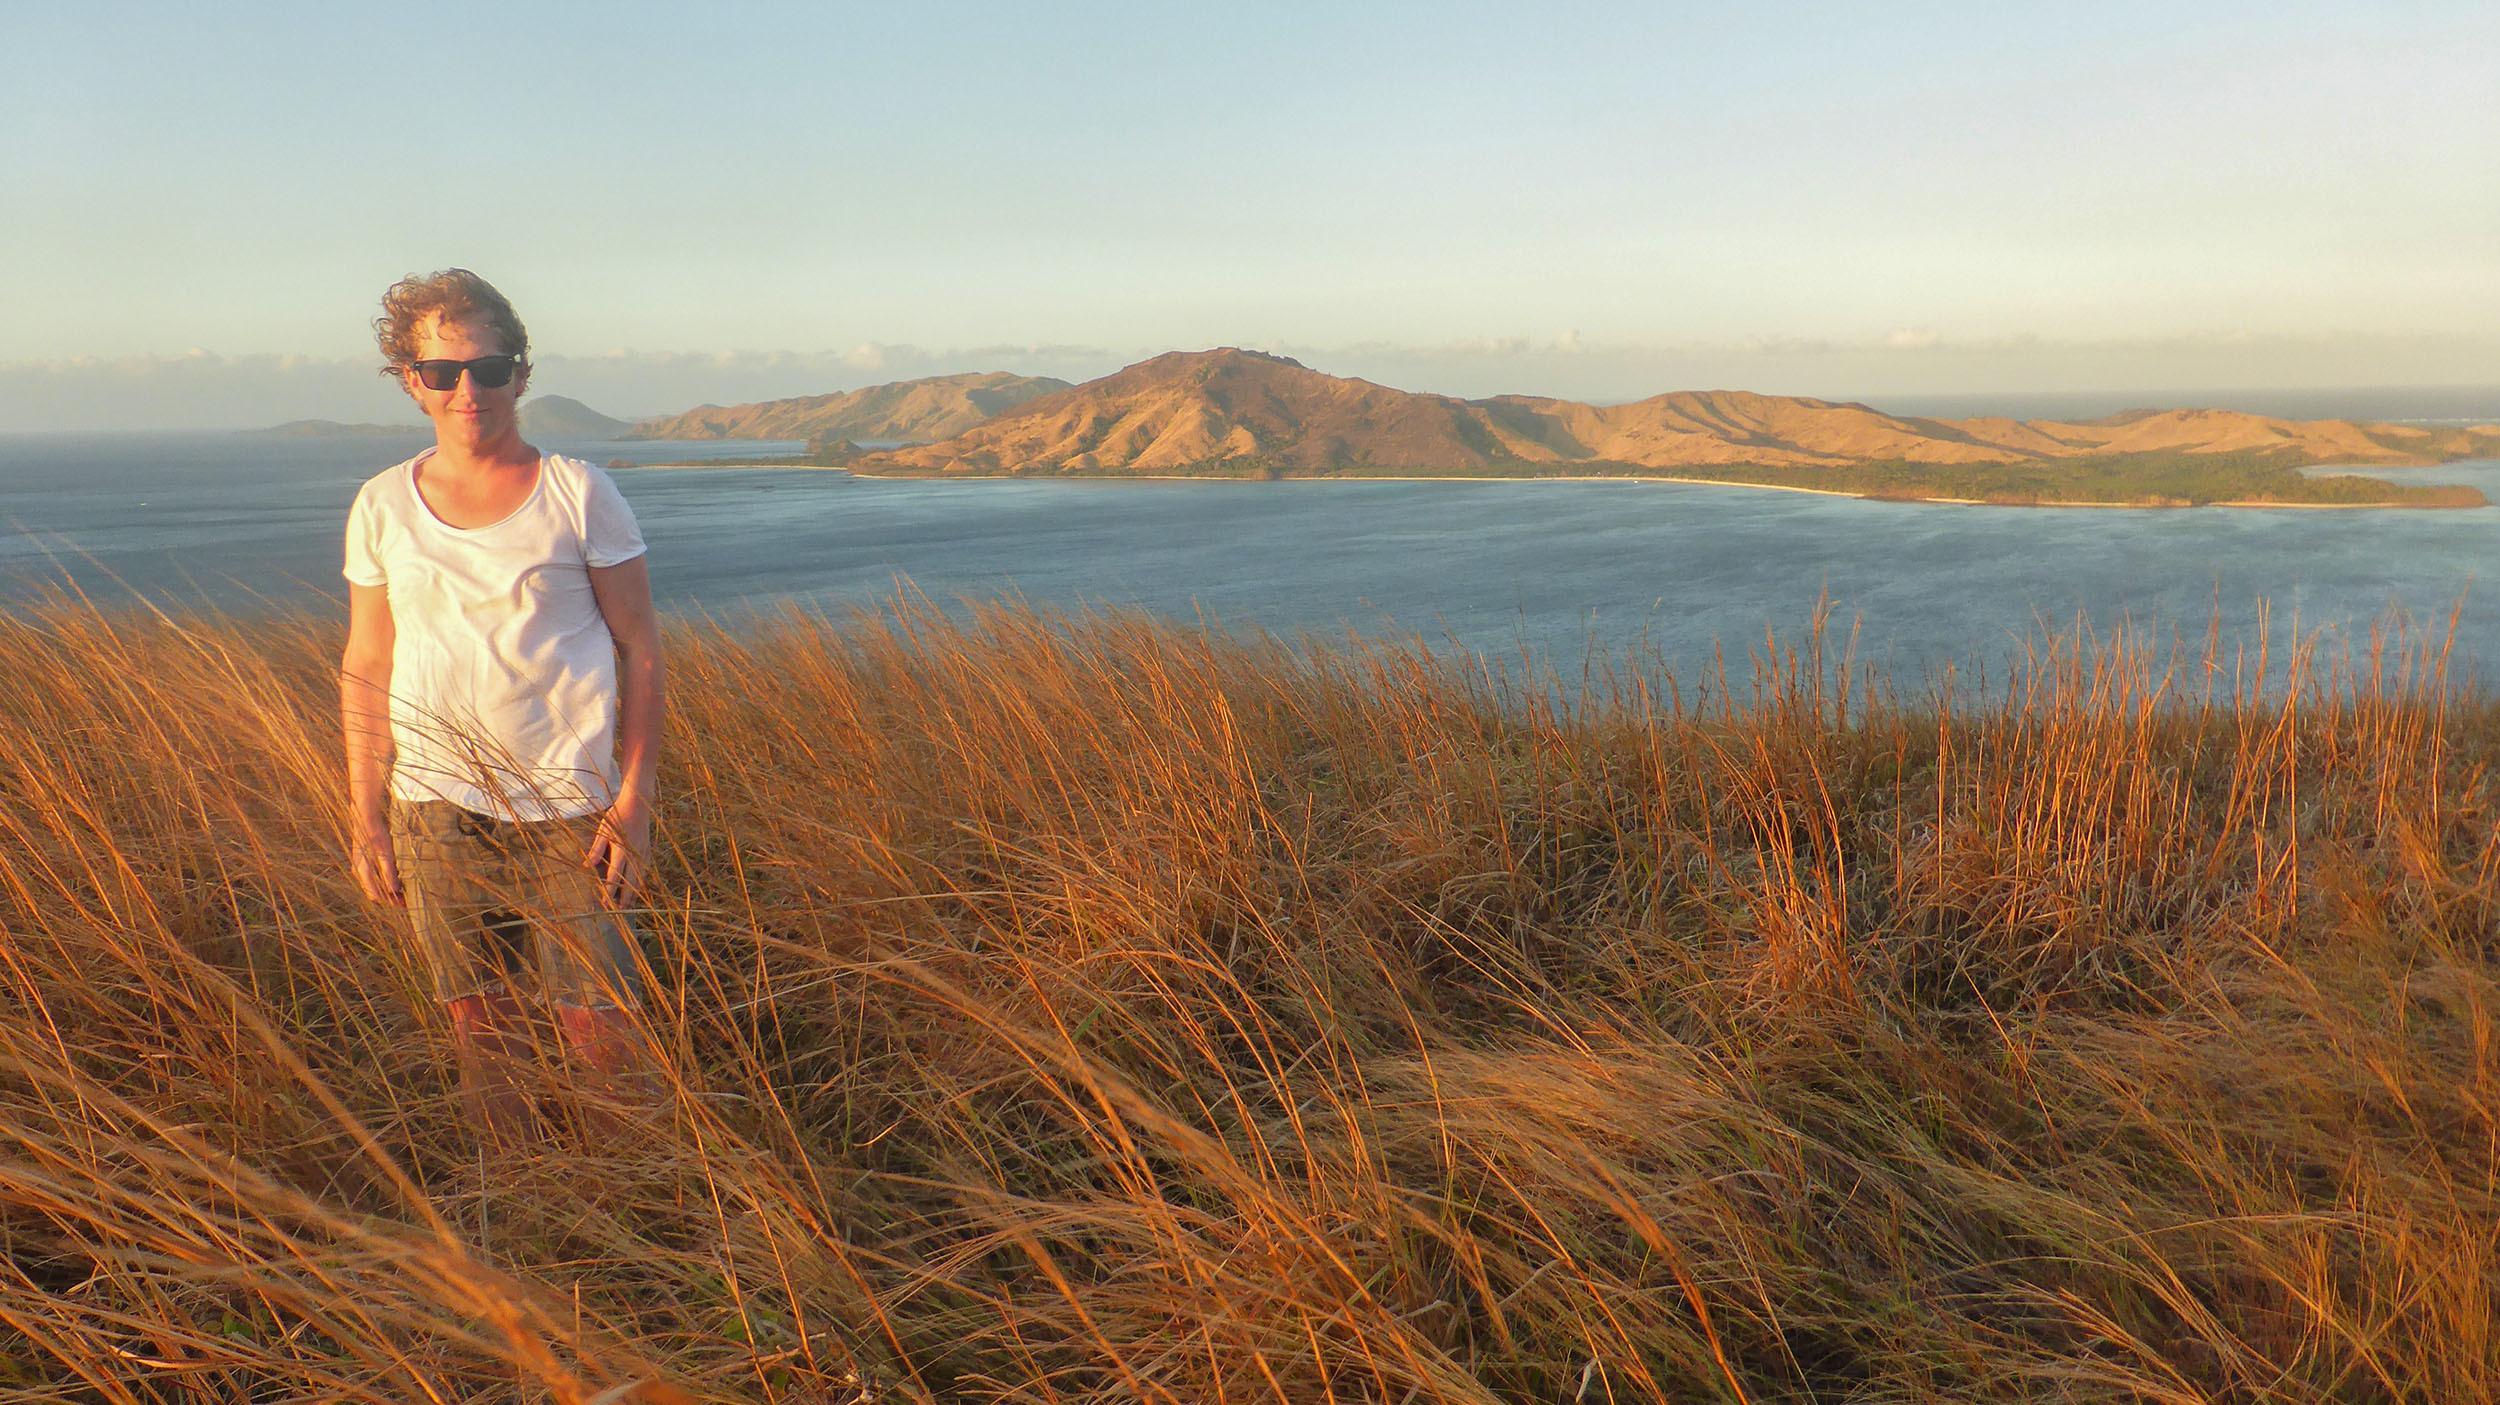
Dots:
pixel 608 1056
pixel 490 1041
pixel 461 926
pixel 591 965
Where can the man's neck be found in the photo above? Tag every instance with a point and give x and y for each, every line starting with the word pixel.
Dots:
pixel 504 455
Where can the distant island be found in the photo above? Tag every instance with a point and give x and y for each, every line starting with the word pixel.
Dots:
pixel 1233 413
pixel 914 411
pixel 333 429
pixel 562 417
pixel 550 416
pixel 901 412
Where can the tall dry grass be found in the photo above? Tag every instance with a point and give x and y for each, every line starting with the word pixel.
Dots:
pixel 1086 1009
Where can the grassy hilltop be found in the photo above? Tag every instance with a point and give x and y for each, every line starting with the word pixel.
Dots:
pixel 1090 1010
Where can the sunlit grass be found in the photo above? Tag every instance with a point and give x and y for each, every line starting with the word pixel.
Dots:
pixel 1062 1010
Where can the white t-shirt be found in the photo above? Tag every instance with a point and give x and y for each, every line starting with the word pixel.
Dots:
pixel 503 673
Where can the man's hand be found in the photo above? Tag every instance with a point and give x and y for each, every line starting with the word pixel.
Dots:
pixel 621 851
pixel 375 866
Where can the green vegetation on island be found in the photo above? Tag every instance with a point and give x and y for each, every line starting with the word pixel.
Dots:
pixel 2127 480
pixel 2111 480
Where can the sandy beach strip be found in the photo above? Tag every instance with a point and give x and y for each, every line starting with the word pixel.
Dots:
pixel 1552 478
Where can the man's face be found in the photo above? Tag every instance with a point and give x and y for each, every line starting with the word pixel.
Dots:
pixel 468 414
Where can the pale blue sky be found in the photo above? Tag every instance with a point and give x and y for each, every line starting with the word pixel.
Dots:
pixel 1598 200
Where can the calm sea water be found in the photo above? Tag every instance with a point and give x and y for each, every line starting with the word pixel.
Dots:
pixel 1675 570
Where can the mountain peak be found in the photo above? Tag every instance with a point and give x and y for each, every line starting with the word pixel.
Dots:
pixel 1216 357
pixel 1223 405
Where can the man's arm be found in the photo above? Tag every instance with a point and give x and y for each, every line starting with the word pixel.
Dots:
pixel 365 713
pixel 623 847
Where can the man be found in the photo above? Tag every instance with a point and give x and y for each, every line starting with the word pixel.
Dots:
pixel 502 693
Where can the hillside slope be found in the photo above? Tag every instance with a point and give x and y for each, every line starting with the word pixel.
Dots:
pixel 1204 410
pixel 563 417
pixel 931 408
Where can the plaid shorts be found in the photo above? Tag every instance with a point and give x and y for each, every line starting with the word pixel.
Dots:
pixel 478 887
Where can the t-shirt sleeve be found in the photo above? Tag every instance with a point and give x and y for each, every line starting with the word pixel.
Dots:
pixel 364 542
pixel 609 533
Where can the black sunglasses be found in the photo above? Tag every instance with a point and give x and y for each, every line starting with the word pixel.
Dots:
pixel 489 372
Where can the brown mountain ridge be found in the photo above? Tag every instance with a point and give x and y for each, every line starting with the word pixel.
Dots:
pixel 934 407
pixel 1226 408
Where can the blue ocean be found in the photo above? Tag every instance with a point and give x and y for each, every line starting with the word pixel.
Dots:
pixel 1548 571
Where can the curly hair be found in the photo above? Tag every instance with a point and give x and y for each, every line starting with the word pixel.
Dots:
pixel 452 292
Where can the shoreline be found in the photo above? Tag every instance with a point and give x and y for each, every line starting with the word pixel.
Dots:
pixel 1570 478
